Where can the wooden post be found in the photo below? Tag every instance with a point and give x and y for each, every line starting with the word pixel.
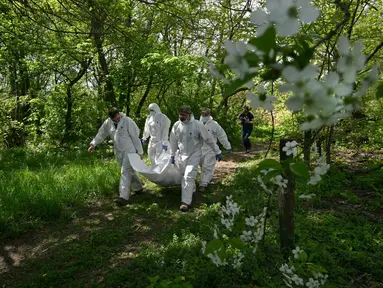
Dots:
pixel 286 207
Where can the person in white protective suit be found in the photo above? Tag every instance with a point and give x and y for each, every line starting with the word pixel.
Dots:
pixel 208 159
pixel 157 127
pixel 188 136
pixel 125 134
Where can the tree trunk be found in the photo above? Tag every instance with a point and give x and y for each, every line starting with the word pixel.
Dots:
pixel 146 94
pixel 69 101
pixel 212 94
pixel 286 208
pixel 97 26
pixel 68 115
pixel 306 147
pixel 328 144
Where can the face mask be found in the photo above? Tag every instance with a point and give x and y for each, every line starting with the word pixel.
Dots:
pixel 205 119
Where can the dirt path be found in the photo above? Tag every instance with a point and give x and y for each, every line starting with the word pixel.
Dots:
pixel 26 255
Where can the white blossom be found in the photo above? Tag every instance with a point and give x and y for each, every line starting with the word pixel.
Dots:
pixel 303 84
pixel 215 234
pixel 237 262
pixel 319 171
pixel 215 258
pixel 258 234
pixel 308 196
pixel 333 85
pixel 296 252
pixel 280 181
pixel 314 179
pixel 246 236
pixel 352 61
pixel 320 277
pixel 286 269
pixel 313 283
pixel 236 60
pixel 263 185
pixel 227 223
pixel 285 14
pixel 228 212
pixel 203 247
pixel 321 120
pixel 262 100
pixel 368 81
pixel 290 148
pixel 322 169
pixel 251 221
pixel 213 70
pixel 267 171
pixel 297 280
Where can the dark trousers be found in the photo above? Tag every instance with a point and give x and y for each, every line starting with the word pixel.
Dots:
pixel 245 138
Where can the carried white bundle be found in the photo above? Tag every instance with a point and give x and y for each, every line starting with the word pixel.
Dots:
pixel 163 173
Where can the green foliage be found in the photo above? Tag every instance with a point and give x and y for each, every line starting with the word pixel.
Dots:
pixel 178 282
pixel 379 91
pixel 341 238
pixel 300 169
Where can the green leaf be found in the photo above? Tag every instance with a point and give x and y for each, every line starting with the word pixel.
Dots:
pixel 222 254
pixel 303 256
pixel 269 164
pixel 379 91
pixel 316 268
pixel 213 246
pixel 252 59
pixel 237 243
pixel 300 169
pixel 266 42
pixel 305 53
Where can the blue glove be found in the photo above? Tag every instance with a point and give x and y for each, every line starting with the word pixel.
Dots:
pixel 228 150
pixel 173 161
pixel 164 147
pixel 143 141
pixel 218 157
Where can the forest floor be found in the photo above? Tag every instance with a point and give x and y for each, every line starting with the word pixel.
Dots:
pixel 102 245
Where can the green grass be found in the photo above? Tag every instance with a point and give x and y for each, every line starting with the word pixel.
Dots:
pixel 45 186
pixel 106 246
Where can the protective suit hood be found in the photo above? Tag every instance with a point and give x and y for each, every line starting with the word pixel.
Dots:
pixel 155 107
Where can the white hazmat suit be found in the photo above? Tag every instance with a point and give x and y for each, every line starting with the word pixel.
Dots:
pixel 208 159
pixel 189 138
pixel 125 140
pixel 157 127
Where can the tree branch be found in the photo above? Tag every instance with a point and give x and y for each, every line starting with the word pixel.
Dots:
pixel 345 8
pixel 380 46
pixel 353 20
pixel 224 100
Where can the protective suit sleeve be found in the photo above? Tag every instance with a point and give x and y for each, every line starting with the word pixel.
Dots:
pixel 208 138
pixel 222 137
pixel 173 141
pixel 146 133
pixel 101 135
pixel 134 135
pixel 165 128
